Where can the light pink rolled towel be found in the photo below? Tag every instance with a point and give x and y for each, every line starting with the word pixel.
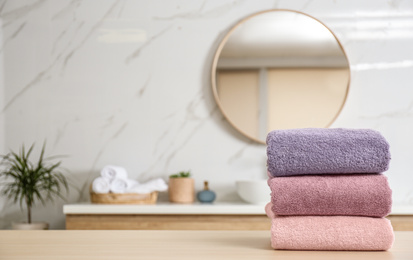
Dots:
pixel 344 233
pixel 329 195
pixel 268 210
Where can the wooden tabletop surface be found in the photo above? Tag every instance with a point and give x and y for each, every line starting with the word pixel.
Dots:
pixel 101 244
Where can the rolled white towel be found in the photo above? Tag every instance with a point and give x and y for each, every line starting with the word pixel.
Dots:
pixel 101 185
pixel 148 187
pixel 114 172
pixel 157 184
pixel 140 189
pixel 122 185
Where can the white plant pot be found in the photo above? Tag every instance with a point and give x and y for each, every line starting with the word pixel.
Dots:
pixel 32 226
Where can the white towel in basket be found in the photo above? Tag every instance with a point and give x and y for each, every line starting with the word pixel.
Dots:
pixel 101 185
pixel 114 172
pixel 157 184
pixel 122 185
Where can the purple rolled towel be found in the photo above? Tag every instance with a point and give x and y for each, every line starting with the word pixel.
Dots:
pixel 326 151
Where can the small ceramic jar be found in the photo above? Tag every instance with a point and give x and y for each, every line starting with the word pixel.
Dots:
pixel 206 196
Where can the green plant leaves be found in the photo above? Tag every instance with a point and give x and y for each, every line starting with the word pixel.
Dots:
pixel 27 182
pixel 182 174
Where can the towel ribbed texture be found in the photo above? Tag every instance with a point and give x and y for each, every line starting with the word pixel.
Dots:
pixel 331 233
pixel 326 151
pixel 327 190
pixel 329 195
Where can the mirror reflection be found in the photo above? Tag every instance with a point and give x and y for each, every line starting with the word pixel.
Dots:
pixel 279 69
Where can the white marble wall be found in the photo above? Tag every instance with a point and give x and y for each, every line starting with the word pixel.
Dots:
pixel 127 82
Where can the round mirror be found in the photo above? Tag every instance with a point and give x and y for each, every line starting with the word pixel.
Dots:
pixel 279 69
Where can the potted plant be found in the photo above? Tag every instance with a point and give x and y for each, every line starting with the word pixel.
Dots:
pixel 181 188
pixel 26 182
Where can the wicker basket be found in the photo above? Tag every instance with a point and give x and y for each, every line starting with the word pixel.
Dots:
pixel 124 198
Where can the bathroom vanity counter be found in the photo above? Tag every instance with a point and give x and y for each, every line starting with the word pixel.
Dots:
pixel 167 216
pixel 197 216
pixel 167 208
pixel 141 244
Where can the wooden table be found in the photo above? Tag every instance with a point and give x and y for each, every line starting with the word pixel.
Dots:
pixel 63 244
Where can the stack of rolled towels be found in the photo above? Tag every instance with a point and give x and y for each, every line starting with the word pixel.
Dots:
pixel 115 179
pixel 328 191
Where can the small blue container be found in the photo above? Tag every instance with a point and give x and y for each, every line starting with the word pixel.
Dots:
pixel 206 196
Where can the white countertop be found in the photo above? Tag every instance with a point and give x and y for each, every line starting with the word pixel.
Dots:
pixel 218 208
pixel 167 208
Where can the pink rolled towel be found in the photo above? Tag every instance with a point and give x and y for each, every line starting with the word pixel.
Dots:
pixel 331 233
pixel 329 195
pixel 268 210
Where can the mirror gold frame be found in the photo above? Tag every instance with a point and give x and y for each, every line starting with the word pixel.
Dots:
pixel 224 41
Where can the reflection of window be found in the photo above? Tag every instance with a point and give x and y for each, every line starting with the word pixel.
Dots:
pixel 307 97
pixel 238 93
pixel 258 101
